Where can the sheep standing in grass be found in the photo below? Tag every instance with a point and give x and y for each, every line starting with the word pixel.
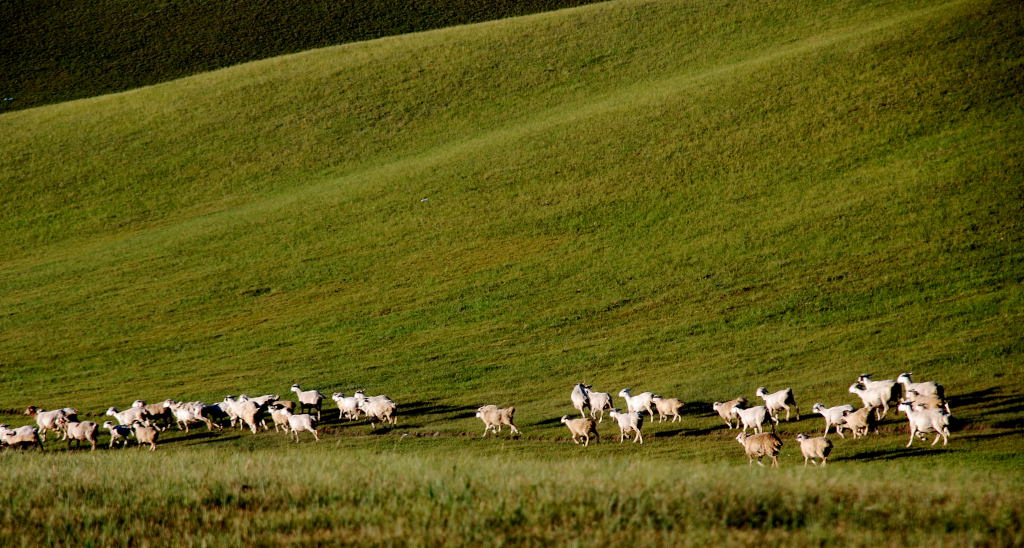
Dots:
pixel 777 401
pixel 638 403
pixel 667 407
pixel 311 399
pixel 629 422
pixel 78 432
pixel 22 436
pixel 833 415
pixel 582 428
pixel 754 418
pixel 145 433
pixel 925 421
pixel 814 448
pixel 494 417
pixel 726 410
pixel 761 445
pixel 860 422
pixel 579 398
pixel 599 403
pixel 118 432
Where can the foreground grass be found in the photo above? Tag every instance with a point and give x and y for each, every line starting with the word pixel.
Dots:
pixel 382 493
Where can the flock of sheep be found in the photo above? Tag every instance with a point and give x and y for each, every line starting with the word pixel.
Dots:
pixel 923 403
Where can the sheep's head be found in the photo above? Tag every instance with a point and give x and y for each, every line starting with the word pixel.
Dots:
pixel 801 437
pixel 624 393
pixel 817 408
pixel 565 418
pixel 295 388
pixel 111 412
pixel 856 388
pixel 761 391
pixel 904 377
pixel 864 377
pixel 31 410
pixel 742 438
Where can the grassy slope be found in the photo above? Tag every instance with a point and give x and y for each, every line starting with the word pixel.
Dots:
pixel 685 198
pixel 62 50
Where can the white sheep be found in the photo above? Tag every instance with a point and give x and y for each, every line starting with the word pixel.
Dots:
pixel 21 436
pixel 928 389
pixel 629 422
pixel 638 403
pixel 777 401
pixel 377 408
pixel 158 412
pixel 494 417
pixel 599 403
pixel 833 415
pixel 667 407
pixel 348 407
pixel 188 413
pixel 579 398
pixel 860 422
pixel 726 410
pixel 927 420
pixel 814 448
pixel 46 420
pixel 299 423
pixel 145 433
pixel 312 399
pixel 128 416
pixel 582 428
pixel 922 401
pixel 78 431
pixel 279 414
pixel 118 432
pixel 881 393
pixel 754 417
pixel 251 413
pixel 761 445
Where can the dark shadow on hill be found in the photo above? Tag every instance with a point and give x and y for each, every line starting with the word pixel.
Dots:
pixel 901 453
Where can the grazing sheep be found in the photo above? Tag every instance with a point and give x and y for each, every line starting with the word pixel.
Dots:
pixel 922 401
pixel 599 403
pixel 494 417
pixel 118 432
pixel 46 420
pixel 833 415
pixel 860 422
pixel 145 433
pixel 814 448
pixel 777 401
pixel 629 422
pixel 579 397
pixel 78 432
pixel 128 416
pixel 929 389
pixel 348 407
pixel 761 445
pixel 667 407
pixel 22 436
pixel 927 420
pixel 377 408
pixel 582 428
pixel 726 410
pixel 638 403
pixel 754 418
pixel 879 393
pixel 312 399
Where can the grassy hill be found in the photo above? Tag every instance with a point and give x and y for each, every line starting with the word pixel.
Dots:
pixel 681 197
pixel 57 51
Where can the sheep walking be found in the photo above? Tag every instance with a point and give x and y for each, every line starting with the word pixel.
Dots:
pixel 860 422
pixel 79 432
pixel 494 417
pixel 145 433
pixel 377 408
pixel 777 401
pixel 814 448
pixel 46 420
pixel 668 407
pixel 754 418
pixel 599 403
pixel 726 410
pixel 638 403
pixel 925 421
pixel 23 436
pixel 629 422
pixel 128 416
pixel 579 398
pixel 761 445
pixel 582 429
pixel 348 406
pixel 118 433
pixel 833 415
pixel 159 412
pixel 311 399
pixel 928 391
pixel 877 394
pixel 922 401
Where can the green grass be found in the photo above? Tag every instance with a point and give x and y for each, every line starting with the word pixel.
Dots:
pixel 59 51
pixel 682 197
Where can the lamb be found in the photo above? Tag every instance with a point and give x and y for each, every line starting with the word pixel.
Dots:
pixel 667 407
pixel 145 433
pixel 582 428
pixel 924 421
pixel 118 432
pixel 78 431
pixel 922 402
pixel 754 418
pixel 494 417
pixel 777 401
pixel 128 416
pixel 599 403
pixel 312 399
pixel 880 393
pixel 579 397
pixel 46 420
pixel 761 445
pixel 833 415
pixel 929 389
pixel 726 410
pixel 347 406
pixel 814 448
pixel 377 408
pixel 629 422
pixel 638 403
pixel 860 422
pixel 21 436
